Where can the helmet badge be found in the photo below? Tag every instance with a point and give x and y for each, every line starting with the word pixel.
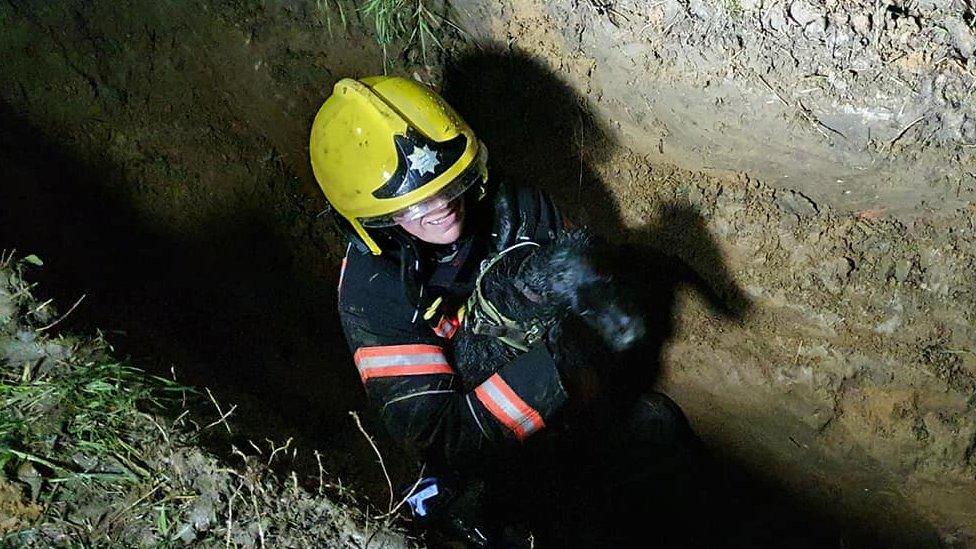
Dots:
pixel 423 160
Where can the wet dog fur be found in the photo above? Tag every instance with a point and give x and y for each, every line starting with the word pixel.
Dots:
pixel 564 283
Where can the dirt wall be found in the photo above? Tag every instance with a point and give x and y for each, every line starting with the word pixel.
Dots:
pixel 860 105
pixel 810 160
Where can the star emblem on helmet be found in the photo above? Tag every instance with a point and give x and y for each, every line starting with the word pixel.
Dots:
pixel 423 160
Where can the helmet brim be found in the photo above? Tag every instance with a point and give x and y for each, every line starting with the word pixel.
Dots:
pixel 474 174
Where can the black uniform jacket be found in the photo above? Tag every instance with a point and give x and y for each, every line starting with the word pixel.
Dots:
pixel 399 334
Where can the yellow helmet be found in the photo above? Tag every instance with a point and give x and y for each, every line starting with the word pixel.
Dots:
pixel 384 148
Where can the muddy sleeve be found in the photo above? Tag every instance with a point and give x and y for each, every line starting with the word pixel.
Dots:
pixel 409 378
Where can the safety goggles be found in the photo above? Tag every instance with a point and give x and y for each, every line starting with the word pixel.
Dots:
pixel 443 197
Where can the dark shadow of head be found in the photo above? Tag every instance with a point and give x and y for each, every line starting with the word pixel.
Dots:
pixel 533 123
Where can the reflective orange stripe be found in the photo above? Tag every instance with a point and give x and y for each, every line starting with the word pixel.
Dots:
pixel 508 408
pixel 401 360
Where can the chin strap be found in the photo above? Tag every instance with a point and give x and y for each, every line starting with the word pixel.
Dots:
pixel 484 318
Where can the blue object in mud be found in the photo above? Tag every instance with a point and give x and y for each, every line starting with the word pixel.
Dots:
pixel 426 490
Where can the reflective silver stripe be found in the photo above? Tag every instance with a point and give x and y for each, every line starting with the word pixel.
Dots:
pixel 523 423
pixel 401 360
pixel 445 328
pixel 506 405
pixel 379 363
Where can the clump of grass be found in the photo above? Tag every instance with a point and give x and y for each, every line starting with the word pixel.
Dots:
pixel 415 23
pixel 398 19
pixel 69 422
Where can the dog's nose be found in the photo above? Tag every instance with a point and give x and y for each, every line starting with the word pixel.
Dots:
pixel 629 330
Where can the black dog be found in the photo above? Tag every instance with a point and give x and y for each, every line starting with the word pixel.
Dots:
pixel 540 291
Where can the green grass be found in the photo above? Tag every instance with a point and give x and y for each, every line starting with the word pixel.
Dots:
pixel 75 421
pixel 412 23
pixel 78 412
pixel 67 401
pixel 330 9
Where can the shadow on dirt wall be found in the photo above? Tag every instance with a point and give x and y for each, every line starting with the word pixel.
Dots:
pixel 538 130
pixel 225 307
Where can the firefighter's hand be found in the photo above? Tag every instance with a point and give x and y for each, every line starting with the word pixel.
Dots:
pixel 505 217
pixel 579 372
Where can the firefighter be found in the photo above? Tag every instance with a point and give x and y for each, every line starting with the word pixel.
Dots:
pixel 407 181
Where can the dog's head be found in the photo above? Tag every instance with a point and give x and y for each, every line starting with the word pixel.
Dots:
pixel 600 307
pixel 565 275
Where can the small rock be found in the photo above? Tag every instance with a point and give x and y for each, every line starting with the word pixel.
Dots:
pixel 7 308
pixel 902 268
pixel 835 273
pixel 795 203
pixel 29 475
pixel 861 23
pixel 203 513
pixel 803 13
pixel 186 533
pixel 23 347
pixel 889 326
pixel 699 9
pixel 776 19
pixel 929 6
pixel 963 39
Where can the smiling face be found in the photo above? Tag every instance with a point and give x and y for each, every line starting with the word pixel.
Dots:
pixel 441 225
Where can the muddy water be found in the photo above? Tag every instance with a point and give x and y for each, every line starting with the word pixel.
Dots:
pixel 155 158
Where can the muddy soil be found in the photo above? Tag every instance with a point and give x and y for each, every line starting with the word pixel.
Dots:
pixel 858 104
pixel 826 333
pixel 791 185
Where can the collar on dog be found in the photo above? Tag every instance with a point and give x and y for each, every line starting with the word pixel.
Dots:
pixel 486 319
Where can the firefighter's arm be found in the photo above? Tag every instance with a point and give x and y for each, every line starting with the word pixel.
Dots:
pixel 423 405
pixel 409 377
